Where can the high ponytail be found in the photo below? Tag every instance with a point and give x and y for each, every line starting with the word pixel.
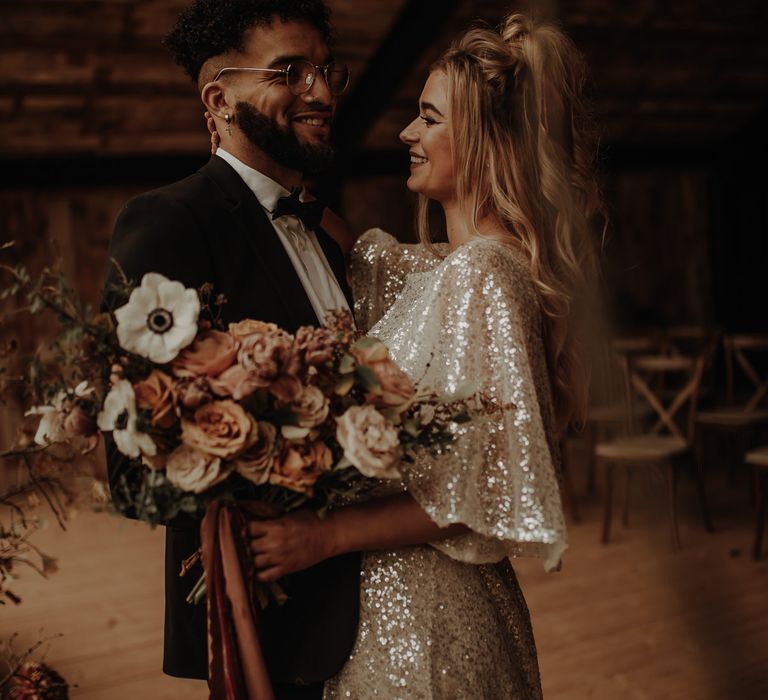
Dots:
pixel 519 129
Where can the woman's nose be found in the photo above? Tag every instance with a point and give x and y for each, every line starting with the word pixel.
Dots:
pixel 408 135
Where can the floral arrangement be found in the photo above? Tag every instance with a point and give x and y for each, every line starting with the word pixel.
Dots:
pixel 205 412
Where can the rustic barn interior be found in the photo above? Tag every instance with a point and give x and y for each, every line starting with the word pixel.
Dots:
pixel 94 111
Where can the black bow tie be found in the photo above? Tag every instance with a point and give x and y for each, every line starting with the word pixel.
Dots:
pixel 309 213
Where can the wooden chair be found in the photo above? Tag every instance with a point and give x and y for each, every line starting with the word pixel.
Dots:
pixel 608 417
pixel 666 445
pixel 758 460
pixel 740 419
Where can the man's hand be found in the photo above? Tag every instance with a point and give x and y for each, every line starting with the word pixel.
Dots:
pixel 289 544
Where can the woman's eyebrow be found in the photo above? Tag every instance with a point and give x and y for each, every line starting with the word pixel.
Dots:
pixel 429 106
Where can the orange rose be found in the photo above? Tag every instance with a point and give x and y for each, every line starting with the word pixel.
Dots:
pixel 300 465
pixel 219 428
pixel 156 393
pixel 209 355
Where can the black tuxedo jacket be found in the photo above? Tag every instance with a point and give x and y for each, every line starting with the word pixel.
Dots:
pixel 210 227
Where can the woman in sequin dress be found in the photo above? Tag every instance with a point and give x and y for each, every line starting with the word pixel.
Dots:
pixel 497 144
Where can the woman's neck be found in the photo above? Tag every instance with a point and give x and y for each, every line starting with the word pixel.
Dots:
pixel 460 229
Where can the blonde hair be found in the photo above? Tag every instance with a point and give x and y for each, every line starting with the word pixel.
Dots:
pixel 517 122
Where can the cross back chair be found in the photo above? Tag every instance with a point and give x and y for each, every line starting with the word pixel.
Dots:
pixel 668 443
pixel 608 416
pixel 739 418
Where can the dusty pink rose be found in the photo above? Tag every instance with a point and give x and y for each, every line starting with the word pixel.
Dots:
pixel 266 360
pixel 209 355
pixel 192 470
pixel 193 392
pixel 156 393
pixel 300 465
pixel 397 389
pixel 256 461
pixel 315 346
pixel 370 442
pixel 219 428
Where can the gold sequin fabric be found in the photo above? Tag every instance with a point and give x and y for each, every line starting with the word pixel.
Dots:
pixel 449 620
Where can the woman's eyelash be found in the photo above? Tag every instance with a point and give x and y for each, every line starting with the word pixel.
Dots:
pixel 427 120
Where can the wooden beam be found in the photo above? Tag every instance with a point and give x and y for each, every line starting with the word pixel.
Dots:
pixel 417 27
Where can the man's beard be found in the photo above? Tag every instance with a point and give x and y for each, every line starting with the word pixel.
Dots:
pixel 280 143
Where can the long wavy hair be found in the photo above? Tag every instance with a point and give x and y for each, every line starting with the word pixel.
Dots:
pixel 519 130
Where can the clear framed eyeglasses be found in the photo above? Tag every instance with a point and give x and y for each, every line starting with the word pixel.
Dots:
pixel 300 75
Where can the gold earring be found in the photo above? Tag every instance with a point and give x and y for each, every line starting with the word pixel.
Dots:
pixel 228 119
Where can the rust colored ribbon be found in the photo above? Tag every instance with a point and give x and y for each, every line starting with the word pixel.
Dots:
pixel 236 666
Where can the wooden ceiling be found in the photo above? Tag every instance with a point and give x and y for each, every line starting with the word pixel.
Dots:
pixel 90 77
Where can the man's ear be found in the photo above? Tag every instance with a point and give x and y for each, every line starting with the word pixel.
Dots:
pixel 215 99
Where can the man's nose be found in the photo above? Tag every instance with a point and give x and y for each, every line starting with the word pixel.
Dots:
pixel 319 92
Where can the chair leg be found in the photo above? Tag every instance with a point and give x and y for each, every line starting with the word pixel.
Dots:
pixel 698 475
pixel 671 479
pixel 591 435
pixel 569 495
pixel 607 491
pixel 760 479
pixel 627 491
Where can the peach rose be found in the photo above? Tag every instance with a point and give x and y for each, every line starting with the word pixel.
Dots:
pixel 192 470
pixel 242 329
pixel 370 442
pixel 156 394
pixel 256 461
pixel 209 355
pixel 397 389
pixel 219 428
pixel 300 465
pixel 311 407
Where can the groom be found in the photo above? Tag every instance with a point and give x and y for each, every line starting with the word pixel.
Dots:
pixel 243 222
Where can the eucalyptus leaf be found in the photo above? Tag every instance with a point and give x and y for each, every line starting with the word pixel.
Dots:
pixel 368 379
pixel 347 364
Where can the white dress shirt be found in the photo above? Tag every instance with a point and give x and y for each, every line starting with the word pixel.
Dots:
pixel 300 244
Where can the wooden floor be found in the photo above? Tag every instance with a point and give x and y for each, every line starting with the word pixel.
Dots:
pixel 629 620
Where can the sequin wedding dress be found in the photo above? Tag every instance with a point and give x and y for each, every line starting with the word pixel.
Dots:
pixel 448 620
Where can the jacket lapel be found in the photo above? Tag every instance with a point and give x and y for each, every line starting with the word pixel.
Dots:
pixel 256 228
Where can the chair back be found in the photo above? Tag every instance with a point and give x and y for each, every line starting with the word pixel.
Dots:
pixel 675 411
pixel 741 351
pixel 692 340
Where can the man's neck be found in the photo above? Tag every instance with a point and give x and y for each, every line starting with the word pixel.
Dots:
pixel 258 160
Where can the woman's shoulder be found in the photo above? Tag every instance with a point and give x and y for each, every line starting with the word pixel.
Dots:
pixel 376 246
pixel 490 264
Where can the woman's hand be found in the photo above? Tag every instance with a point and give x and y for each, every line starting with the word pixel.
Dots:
pixel 288 544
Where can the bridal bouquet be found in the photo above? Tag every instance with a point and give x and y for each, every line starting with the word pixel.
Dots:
pixel 206 413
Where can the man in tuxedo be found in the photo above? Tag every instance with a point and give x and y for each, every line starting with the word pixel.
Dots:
pixel 245 224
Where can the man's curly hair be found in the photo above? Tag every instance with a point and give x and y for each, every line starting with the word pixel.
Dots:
pixel 209 28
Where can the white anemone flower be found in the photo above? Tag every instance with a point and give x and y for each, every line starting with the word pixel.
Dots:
pixel 119 416
pixel 51 427
pixel 159 320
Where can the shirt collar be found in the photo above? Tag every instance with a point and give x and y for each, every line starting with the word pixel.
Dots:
pixel 267 191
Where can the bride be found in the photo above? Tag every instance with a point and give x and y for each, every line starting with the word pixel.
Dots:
pixel 498 144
